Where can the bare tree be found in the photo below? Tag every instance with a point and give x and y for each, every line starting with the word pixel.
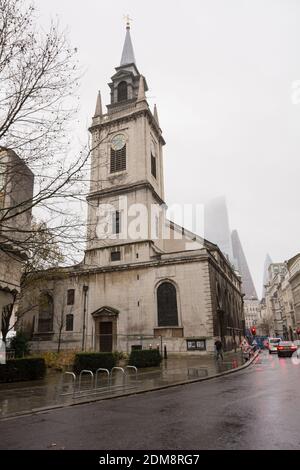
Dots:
pixel 7 314
pixel 60 323
pixel 43 253
pixel 38 105
pixel 43 249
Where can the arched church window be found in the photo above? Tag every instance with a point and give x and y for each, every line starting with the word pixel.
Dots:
pixel 45 323
pixel 167 305
pixel 122 91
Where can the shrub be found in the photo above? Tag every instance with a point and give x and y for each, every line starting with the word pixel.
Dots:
pixel 120 356
pixel 20 344
pixel 145 358
pixel 15 370
pixel 59 361
pixel 93 361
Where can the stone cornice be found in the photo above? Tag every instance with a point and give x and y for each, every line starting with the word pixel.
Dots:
pixel 201 256
pixel 109 119
pixel 84 270
pixel 118 243
pixel 126 188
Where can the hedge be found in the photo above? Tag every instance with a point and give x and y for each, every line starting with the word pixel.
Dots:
pixel 15 370
pixel 93 361
pixel 145 358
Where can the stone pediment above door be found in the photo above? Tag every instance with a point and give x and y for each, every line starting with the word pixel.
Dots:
pixel 105 312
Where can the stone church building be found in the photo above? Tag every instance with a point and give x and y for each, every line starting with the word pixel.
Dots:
pixel 144 280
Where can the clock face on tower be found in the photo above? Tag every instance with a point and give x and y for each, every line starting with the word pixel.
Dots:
pixel 118 142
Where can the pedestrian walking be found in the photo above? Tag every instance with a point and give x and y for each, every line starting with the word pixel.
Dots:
pixel 254 345
pixel 219 349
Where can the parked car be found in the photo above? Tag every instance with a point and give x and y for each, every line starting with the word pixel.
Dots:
pixel 297 343
pixel 272 345
pixel 286 349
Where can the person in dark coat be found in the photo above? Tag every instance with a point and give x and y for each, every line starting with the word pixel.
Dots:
pixel 219 349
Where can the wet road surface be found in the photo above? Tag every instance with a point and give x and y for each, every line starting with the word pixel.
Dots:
pixel 258 408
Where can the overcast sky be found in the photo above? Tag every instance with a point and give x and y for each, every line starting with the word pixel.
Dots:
pixel 221 73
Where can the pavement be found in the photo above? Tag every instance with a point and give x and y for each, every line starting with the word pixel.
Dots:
pixel 27 397
pixel 255 408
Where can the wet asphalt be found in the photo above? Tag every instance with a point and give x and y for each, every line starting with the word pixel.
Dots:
pixel 257 408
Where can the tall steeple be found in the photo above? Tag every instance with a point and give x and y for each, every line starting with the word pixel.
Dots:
pixel 127 160
pixel 128 53
pixel 127 83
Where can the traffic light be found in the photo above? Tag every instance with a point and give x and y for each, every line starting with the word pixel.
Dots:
pixel 253 331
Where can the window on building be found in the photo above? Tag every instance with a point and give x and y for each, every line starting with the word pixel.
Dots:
pixel 122 91
pixel 196 345
pixel 167 305
pixel 69 322
pixel 70 296
pixel 118 159
pixel 153 165
pixel 115 255
pixel 45 322
pixel 117 222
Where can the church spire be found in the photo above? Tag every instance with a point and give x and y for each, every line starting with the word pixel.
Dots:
pixel 128 53
pixel 98 110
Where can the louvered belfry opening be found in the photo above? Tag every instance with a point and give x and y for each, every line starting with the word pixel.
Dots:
pixel 167 305
pixel 118 159
pixel 153 165
pixel 122 91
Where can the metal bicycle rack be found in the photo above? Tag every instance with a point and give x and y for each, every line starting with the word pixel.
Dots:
pixel 115 369
pixel 98 371
pixel 85 371
pixel 93 388
pixel 127 368
pixel 73 382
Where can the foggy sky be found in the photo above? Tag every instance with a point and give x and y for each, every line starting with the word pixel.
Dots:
pixel 221 73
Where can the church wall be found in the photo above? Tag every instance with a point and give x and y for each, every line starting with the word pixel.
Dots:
pixel 227 307
pixel 133 294
pixel 138 210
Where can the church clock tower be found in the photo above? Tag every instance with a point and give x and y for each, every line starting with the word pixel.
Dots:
pixel 124 221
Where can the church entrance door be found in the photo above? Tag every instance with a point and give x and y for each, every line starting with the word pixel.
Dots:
pixel 106 336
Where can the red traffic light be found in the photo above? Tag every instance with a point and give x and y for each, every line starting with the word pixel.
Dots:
pixel 253 330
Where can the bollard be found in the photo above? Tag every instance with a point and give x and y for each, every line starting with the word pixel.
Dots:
pixel 165 352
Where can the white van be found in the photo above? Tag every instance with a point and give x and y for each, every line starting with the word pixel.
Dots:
pixel 272 345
